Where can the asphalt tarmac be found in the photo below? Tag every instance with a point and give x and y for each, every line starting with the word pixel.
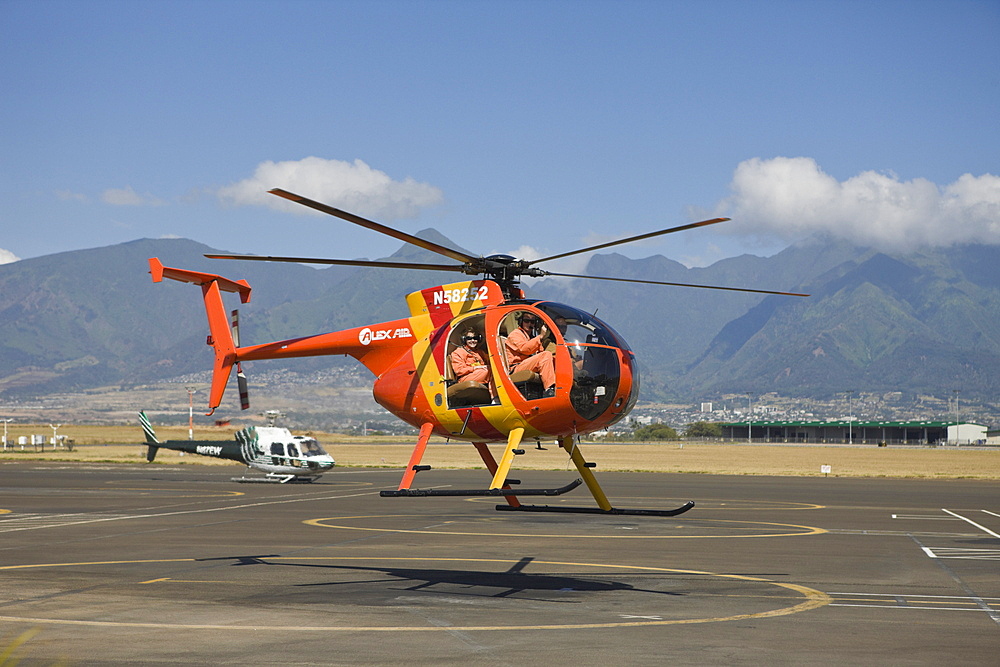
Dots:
pixel 158 565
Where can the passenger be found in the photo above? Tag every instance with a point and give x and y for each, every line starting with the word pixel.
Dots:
pixel 525 351
pixel 470 362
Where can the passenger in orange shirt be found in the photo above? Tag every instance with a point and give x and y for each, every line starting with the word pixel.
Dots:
pixel 525 351
pixel 470 362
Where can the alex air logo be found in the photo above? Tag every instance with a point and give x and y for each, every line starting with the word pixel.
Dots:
pixel 366 336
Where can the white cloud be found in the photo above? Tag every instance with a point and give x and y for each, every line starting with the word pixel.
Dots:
pixel 7 257
pixel 68 195
pixel 793 197
pixel 128 197
pixel 353 186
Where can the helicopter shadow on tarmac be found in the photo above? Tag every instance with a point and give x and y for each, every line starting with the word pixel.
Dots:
pixel 512 581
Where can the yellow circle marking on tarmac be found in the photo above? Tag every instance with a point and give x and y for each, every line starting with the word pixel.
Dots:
pixel 214 494
pixel 803 530
pixel 710 504
pixel 813 599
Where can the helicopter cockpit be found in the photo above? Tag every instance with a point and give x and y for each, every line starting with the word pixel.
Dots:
pixel 282 448
pixel 596 352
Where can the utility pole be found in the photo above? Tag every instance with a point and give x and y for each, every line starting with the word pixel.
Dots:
pixel 749 418
pixel 191 392
pixel 5 422
pixel 955 391
pixel 850 416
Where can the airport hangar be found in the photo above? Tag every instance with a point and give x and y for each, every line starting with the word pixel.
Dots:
pixel 858 432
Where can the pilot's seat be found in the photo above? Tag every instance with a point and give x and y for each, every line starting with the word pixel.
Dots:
pixel 529 383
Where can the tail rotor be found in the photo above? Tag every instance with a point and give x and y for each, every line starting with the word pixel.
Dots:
pixel 241 379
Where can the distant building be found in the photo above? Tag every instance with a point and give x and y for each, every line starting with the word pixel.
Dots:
pixel 858 432
pixel 706 407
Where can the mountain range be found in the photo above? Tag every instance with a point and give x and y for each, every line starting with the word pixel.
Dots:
pixel 924 322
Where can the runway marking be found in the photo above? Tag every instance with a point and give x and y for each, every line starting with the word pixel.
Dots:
pixel 896 533
pixel 922 602
pixel 805 530
pixel 980 601
pixel 213 494
pixel 35 521
pixel 982 528
pixel 813 599
pixel 962 552
pixel 6 511
pixel 41 523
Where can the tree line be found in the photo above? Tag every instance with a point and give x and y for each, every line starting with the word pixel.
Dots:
pixel 660 431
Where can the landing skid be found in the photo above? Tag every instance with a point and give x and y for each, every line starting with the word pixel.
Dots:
pixel 500 486
pixel 596 510
pixel 276 479
pixel 481 492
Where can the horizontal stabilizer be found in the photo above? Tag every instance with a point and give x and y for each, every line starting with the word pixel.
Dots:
pixel 159 272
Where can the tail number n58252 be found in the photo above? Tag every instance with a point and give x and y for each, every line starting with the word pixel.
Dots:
pixel 460 295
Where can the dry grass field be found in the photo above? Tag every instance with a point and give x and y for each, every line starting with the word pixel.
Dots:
pixel 123 444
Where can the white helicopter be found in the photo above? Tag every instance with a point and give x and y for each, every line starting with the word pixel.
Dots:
pixel 271 449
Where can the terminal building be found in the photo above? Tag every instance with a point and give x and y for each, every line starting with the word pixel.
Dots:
pixel 858 432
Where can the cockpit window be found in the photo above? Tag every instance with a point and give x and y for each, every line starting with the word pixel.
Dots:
pixel 582 328
pixel 593 349
pixel 311 448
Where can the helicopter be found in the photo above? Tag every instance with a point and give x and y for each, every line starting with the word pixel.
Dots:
pixel 579 377
pixel 273 450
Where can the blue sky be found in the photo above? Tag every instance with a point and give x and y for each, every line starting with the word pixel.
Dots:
pixel 518 127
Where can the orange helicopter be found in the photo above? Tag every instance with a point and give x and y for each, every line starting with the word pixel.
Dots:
pixel 548 370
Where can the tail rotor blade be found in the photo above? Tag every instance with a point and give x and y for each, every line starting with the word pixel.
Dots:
pixel 241 381
pixel 234 319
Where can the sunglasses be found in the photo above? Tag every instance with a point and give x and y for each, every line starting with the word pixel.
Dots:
pixel 473 338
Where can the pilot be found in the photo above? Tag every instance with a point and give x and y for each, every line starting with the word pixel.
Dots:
pixel 525 351
pixel 563 325
pixel 470 362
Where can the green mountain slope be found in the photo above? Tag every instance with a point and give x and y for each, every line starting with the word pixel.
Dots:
pixel 875 322
pixel 920 322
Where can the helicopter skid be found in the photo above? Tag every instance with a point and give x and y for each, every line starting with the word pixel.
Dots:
pixel 596 510
pixel 481 492
pixel 276 479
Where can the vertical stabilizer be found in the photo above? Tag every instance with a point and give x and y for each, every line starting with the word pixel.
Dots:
pixel 152 444
pixel 221 338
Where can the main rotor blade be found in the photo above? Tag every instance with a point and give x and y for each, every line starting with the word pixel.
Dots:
pixel 657 282
pixel 374 226
pixel 346 262
pixel 693 225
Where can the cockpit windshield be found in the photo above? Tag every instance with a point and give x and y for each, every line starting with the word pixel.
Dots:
pixel 593 349
pixel 582 328
pixel 310 447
